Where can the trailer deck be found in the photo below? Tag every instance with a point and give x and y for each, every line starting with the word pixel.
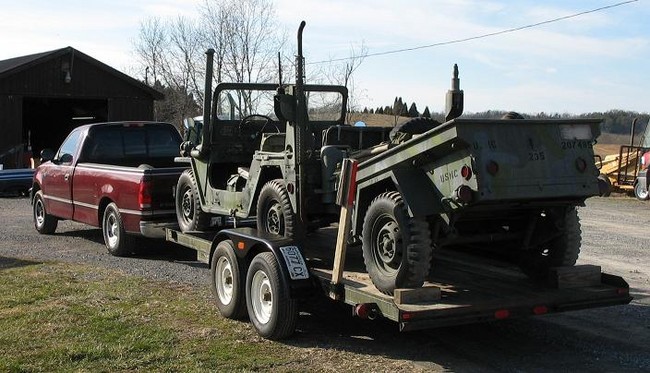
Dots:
pixel 462 287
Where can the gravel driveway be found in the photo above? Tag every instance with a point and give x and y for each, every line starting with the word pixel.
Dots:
pixel 608 339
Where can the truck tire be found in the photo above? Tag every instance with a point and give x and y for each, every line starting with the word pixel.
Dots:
pixel 607 185
pixel 560 251
pixel 274 212
pixel 641 193
pixel 117 241
pixel 396 248
pixel 189 215
pixel 227 281
pixel 43 222
pixel 270 308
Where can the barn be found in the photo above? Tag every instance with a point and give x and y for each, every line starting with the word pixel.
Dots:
pixel 45 95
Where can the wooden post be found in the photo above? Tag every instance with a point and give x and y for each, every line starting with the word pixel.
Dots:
pixel 345 197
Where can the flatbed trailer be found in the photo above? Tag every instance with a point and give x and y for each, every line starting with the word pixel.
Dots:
pixel 461 289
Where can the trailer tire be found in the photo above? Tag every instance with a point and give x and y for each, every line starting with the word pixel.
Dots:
pixel 274 212
pixel 396 248
pixel 561 251
pixel 640 193
pixel 189 214
pixel 117 241
pixel 227 281
pixel 270 307
pixel 43 222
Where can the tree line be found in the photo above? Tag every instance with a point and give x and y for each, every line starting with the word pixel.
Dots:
pixel 613 121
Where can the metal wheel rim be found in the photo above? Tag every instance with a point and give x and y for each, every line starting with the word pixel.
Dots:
pixel 274 219
pixel 187 205
pixel 386 244
pixel 640 193
pixel 224 281
pixel 112 230
pixel 261 297
pixel 39 212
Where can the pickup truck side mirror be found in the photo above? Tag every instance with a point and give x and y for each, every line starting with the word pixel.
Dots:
pixel 66 158
pixel 47 155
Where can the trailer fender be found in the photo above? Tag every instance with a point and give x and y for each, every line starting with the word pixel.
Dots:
pixel 415 187
pixel 249 242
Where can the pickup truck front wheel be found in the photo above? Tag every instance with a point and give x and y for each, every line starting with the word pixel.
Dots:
pixel 396 248
pixel 117 241
pixel 43 222
pixel 188 206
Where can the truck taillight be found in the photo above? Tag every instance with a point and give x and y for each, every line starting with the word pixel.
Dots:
pixel 144 195
pixel 463 194
pixel 581 164
pixel 466 172
pixel 492 168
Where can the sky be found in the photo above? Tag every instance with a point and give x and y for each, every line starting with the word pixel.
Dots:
pixel 589 63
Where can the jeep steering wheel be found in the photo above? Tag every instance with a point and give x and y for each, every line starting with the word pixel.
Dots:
pixel 247 121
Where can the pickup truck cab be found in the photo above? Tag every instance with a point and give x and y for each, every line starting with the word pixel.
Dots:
pixel 119 176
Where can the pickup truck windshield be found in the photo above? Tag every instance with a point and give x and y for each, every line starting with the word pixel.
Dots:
pixel 131 145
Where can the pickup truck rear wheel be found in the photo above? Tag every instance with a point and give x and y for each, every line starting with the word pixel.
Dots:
pixel 561 250
pixel 270 307
pixel 274 212
pixel 227 281
pixel 43 222
pixel 188 206
pixel 396 248
pixel 117 241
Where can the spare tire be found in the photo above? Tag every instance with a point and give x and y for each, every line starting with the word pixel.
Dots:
pixel 415 126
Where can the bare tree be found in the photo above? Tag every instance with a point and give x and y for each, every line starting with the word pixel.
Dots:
pixel 244 34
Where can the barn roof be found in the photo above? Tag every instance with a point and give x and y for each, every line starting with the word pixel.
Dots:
pixel 17 64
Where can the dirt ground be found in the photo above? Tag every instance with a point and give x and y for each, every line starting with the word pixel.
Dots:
pixel 605 339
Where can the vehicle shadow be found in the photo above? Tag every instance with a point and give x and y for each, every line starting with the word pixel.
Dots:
pixel 6 263
pixel 542 343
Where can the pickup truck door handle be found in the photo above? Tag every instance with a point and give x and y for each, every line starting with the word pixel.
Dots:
pixel 66 177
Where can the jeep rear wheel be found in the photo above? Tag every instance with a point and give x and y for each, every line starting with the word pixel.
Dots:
pixel 396 248
pixel 274 212
pixel 188 205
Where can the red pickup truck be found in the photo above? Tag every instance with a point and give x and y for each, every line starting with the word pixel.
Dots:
pixel 118 176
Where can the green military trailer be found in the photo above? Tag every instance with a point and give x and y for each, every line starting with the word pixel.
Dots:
pixel 280 157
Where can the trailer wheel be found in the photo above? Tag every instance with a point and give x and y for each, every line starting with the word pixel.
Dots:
pixel 274 212
pixel 227 281
pixel 270 308
pixel 117 241
pixel 188 206
pixel 561 250
pixel 43 222
pixel 396 248
pixel 641 193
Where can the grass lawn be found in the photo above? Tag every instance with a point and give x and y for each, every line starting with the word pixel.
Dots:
pixel 65 317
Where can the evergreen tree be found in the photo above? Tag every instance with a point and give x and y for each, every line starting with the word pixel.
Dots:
pixel 426 113
pixel 413 111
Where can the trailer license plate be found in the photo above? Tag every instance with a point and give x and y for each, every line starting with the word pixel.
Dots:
pixel 295 263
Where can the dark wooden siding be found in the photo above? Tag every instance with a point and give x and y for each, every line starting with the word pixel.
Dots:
pixel 11 112
pixel 130 109
pixel 87 81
